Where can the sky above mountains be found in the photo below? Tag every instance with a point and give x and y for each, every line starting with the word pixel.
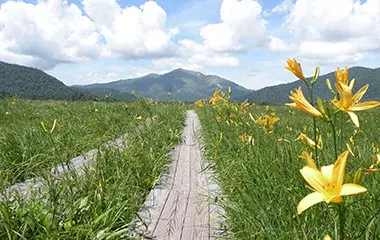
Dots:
pixel 246 41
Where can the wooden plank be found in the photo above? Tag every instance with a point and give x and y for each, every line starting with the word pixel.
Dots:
pixel 182 207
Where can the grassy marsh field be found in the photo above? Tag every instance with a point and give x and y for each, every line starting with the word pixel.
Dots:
pixel 262 183
pixel 100 203
pixel 282 172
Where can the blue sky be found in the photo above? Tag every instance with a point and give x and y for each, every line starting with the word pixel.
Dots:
pixel 245 41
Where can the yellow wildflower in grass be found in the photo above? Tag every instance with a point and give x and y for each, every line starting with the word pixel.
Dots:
pixel 267 122
pixel 341 76
pixel 374 167
pixel 302 104
pixel 327 184
pixel 282 140
pixel 218 118
pixel 304 138
pixel 350 104
pixel 327 237
pixel 200 103
pixel 308 157
pixel 245 138
pixel 244 106
pixel 6 113
pixel 216 97
pixel 294 67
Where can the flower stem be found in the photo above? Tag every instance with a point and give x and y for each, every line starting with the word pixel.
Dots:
pixel 341 221
pixel 341 131
pixel 315 138
pixel 314 121
pixel 334 135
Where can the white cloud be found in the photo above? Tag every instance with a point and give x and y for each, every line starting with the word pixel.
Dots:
pixel 284 7
pixel 173 63
pixel 200 54
pixel 339 31
pixel 132 32
pixel 46 34
pixel 276 44
pixel 51 32
pixel 242 27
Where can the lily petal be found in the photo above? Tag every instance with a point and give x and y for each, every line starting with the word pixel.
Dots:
pixel 354 118
pixel 293 105
pixel 351 188
pixel 364 106
pixel 327 171
pixel 356 98
pixel 315 178
pixel 346 96
pixel 338 171
pixel 308 201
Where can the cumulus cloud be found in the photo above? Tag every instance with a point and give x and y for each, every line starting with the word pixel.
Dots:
pixel 242 27
pixel 284 7
pixel 174 62
pixel 132 32
pixel 46 34
pixel 335 32
pixel 51 32
pixel 276 44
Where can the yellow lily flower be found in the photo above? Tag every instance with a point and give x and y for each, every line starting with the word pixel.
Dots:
pixel 302 104
pixel 327 237
pixel 327 184
pixel 304 138
pixel 309 159
pixel 245 138
pixel 267 122
pixel 350 104
pixel 342 76
pixel 216 97
pixel 294 67
pixel 200 103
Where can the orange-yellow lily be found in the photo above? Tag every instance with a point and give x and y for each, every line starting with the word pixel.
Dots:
pixel 294 67
pixel 302 104
pixel 200 103
pixel 309 159
pixel 216 97
pixel 350 104
pixel 342 76
pixel 304 138
pixel 267 122
pixel 245 138
pixel 327 184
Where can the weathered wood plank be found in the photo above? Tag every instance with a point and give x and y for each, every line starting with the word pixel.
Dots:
pixel 182 208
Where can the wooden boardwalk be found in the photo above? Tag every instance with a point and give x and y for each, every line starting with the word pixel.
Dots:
pixel 182 205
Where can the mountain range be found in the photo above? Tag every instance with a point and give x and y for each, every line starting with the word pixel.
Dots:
pixel 184 85
pixel 33 83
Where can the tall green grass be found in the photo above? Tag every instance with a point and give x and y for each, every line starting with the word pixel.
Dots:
pixel 26 150
pixel 262 185
pixel 100 203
